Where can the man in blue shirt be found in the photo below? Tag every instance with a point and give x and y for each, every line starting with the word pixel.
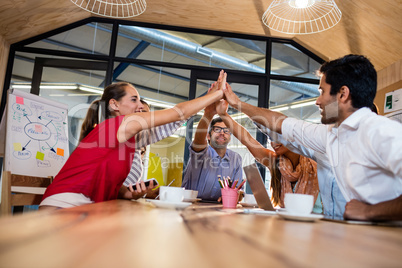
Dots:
pixel 209 157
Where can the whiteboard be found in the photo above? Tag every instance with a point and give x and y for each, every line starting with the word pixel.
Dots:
pixel 36 135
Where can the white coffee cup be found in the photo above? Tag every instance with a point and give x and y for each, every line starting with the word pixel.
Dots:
pixel 300 204
pixel 249 199
pixel 188 194
pixel 171 194
pixel 195 194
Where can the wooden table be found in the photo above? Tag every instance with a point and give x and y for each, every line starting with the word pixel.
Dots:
pixel 124 233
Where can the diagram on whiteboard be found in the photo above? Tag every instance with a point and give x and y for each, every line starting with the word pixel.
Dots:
pixel 38 135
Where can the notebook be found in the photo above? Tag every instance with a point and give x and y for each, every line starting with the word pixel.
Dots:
pixel 258 188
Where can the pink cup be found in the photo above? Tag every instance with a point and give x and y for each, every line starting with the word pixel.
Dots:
pixel 229 197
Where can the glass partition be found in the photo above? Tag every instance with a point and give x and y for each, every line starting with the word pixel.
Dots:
pixel 160 84
pixel 191 49
pixel 288 60
pixel 92 38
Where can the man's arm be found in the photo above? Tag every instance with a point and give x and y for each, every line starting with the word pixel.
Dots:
pixel 292 146
pixel 384 211
pixel 200 138
pixel 270 119
pixel 261 154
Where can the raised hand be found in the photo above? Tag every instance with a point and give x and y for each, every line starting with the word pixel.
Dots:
pixel 231 97
pixel 222 107
pixel 210 109
pixel 222 80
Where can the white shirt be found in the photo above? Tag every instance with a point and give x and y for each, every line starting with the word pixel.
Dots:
pixel 365 153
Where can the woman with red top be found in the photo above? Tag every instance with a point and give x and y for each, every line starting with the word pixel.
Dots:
pixel 97 168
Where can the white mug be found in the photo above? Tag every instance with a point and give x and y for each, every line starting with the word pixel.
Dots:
pixel 300 204
pixel 171 194
pixel 194 195
pixel 188 194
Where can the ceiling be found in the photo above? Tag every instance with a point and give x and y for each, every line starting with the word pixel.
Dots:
pixel 369 27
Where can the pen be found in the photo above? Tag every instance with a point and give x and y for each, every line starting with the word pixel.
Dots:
pixel 241 184
pixel 220 183
pixel 234 184
pixel 225 182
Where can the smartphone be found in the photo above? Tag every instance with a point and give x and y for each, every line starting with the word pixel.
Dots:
pixel 147 182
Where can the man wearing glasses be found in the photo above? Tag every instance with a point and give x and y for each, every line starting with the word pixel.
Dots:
pixel 210 158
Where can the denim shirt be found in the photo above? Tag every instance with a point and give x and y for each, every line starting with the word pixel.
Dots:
pixel 331 196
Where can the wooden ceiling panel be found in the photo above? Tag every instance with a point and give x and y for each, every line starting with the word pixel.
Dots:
pixel 23 19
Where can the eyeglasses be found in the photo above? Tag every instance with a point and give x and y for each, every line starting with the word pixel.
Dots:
pixel 220 129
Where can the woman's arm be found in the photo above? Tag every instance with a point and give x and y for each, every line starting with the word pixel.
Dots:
pixel 134 123
pixel 272 120
pixel 155 134
pixel 261 154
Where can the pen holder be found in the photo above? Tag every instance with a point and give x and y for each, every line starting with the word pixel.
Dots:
pixel 229 197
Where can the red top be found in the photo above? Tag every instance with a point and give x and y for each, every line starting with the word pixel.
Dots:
pixel 98 166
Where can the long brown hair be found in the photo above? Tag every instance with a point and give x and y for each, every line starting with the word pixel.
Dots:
pixel 276 187
pixel 114 91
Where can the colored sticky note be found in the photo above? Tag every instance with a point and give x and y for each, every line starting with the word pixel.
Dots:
pixel 38 128
pixel 19 100
pixel 60 151
pixel 40 156
pixel 17 146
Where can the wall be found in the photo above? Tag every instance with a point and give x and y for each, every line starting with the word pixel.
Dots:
pixel 171 152
pixel 4 50
pixel 389 79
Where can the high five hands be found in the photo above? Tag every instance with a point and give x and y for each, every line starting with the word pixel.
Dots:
pixel 229 96
pixel 220 84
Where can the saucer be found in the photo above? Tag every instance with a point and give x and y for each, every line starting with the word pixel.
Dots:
pixel 252 205
pixel 171 205
pixel 288 216
pixel 191 199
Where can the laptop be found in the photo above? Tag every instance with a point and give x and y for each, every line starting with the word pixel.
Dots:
pixel 260 193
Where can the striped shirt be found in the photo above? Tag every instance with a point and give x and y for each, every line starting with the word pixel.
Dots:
pixel 144 138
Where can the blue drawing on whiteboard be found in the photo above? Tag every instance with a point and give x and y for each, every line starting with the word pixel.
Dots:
pixel 22 155
pixel 44 131
pixel 22 109
pixel 37 131
pixel 43 163
pixel 51 116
